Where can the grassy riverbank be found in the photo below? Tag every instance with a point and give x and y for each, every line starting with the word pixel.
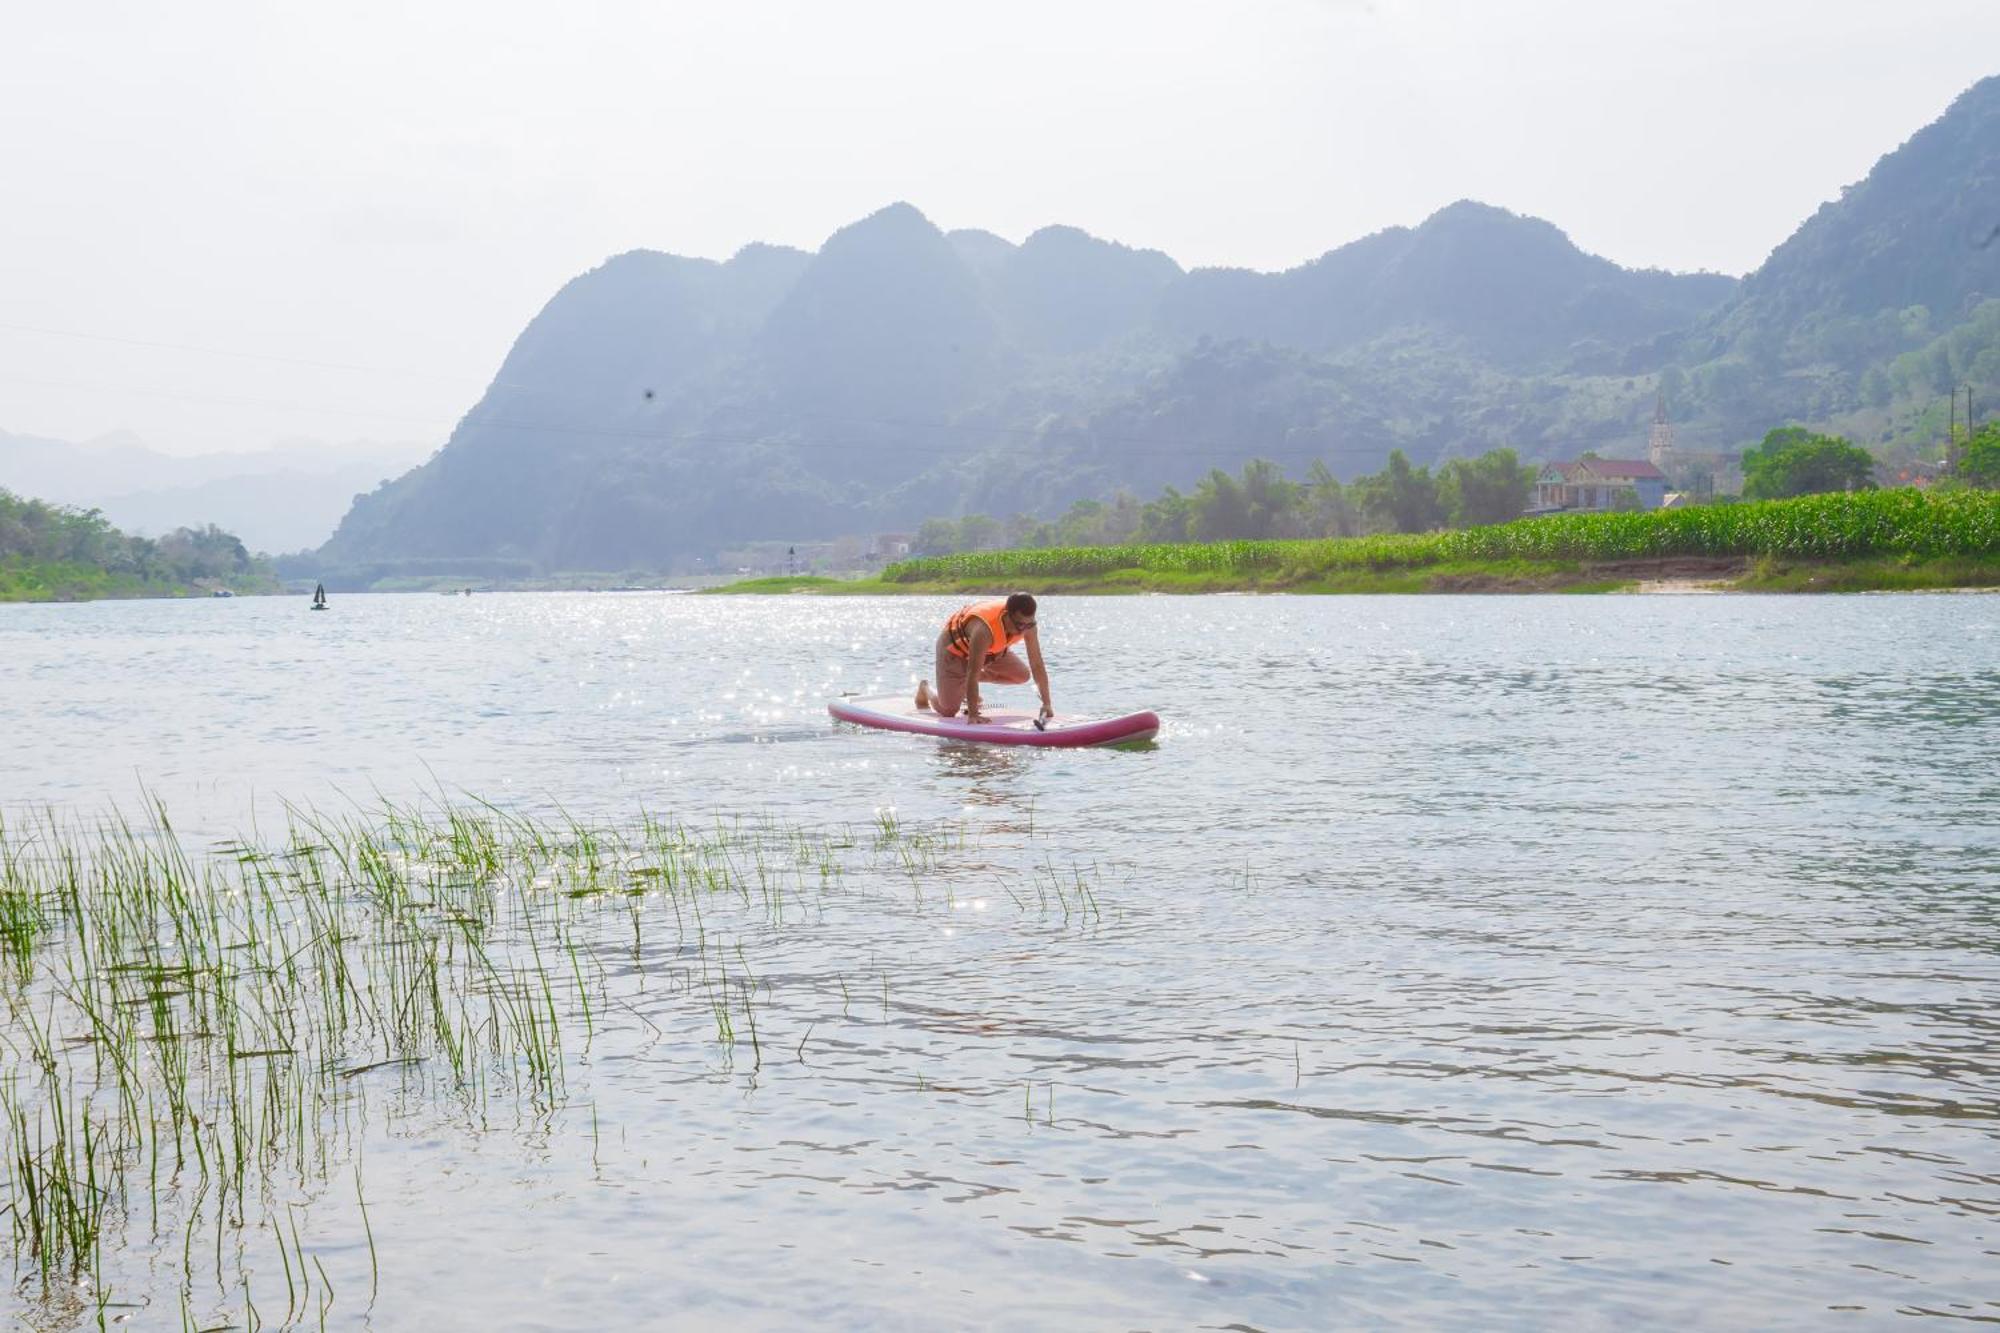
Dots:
pixel 1848 542
pixel 74 581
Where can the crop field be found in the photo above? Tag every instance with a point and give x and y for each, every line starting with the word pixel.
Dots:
pixel 1842 526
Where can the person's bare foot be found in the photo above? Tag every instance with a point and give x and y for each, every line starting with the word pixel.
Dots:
pixel 923 695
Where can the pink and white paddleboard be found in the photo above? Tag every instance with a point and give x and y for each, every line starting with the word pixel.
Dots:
pixel 1003 726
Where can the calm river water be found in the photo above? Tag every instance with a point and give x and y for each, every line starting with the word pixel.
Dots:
pixel 1499 962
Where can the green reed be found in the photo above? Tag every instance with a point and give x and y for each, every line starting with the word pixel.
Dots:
pixel 1840 526
pixel 189 1039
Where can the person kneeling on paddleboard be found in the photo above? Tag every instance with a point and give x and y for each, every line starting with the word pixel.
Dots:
pixel 977 645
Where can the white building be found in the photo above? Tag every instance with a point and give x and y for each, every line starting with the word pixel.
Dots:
pixel 1593 485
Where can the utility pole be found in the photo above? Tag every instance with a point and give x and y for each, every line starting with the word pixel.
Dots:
pixel 1951 430
pixel 1951 434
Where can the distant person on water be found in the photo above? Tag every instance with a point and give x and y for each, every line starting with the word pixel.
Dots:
pixel 977 647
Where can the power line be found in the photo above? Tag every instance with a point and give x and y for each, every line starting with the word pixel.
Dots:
pixel 234 353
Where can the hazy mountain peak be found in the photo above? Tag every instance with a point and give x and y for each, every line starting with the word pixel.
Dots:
pixel 758 254
pixel 1058 233
pixel 1058 237
pixel 630 332
pixel 639 265
pixel 1514 289
pixel 280 498
pixel 887 316
pixel 1465 212
pixel 1469 221
pixel 1065 291
pixel 898 223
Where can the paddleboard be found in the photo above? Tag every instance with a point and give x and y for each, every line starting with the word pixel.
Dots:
pixel 1003 726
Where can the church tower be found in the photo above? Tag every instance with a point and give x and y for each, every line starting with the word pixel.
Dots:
pixel 1660 444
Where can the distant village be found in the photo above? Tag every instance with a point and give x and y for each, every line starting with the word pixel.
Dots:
pixel 1591 484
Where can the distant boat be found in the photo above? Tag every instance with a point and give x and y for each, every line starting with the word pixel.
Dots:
pixel 319 598
pixel 222 592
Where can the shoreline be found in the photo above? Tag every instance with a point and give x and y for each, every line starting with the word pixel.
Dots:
pixel 1664 576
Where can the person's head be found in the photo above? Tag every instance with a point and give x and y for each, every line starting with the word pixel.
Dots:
pixel 1021 610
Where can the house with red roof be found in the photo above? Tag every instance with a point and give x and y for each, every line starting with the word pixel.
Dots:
pixel 1592 485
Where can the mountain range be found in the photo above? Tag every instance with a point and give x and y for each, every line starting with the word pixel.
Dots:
pixel 660 406
pixel 288 497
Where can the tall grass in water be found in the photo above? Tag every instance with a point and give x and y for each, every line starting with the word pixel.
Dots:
pixel 1847 525
pixel 189 1039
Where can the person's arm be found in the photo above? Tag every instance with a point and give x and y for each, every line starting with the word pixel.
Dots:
pixel 978 639
pixel 1040 671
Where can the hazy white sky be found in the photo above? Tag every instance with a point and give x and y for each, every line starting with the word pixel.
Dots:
pixel 355 208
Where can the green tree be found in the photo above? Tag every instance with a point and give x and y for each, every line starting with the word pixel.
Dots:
pixel 1119 523
pixel 977 532
pixel 1270 496
pixel 1219 511
pixel 1400 497
pixel 1024 530
pixel 937 536
pixel 1728 384
pixel 1083 525
pixel 1256 505
pixel 1325 509
pixel 1937 366
pixel 1979 457
pixel 206 552
pixel 34 532
pixel 1794 461
pixel 1492 488
pixel 1166 519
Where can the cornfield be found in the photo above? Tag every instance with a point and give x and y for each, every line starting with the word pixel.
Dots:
pixel 1840 526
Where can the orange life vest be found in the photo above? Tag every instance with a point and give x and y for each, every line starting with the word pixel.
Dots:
pixel 957 629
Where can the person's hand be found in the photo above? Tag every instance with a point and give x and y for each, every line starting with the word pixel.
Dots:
pixel 974 715
pixel 1048 712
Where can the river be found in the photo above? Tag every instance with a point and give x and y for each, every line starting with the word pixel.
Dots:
pixel 1510 961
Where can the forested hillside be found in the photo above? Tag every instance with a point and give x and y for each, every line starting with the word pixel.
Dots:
pixel 1878 305
pixel 660 407
pixel 55 553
